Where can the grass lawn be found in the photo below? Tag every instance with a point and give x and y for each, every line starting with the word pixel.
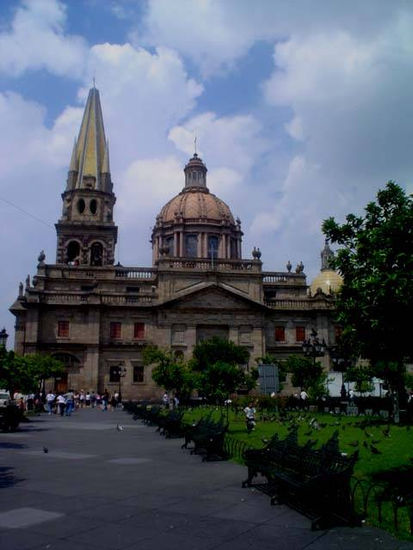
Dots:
pixel 381 447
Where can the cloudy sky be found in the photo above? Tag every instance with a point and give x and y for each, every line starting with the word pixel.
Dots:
pixel 302 110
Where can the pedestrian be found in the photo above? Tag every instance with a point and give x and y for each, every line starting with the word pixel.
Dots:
pixel 105 400
pixel 92 399
pixel 70 402
pixel 87 399
pixel 82 398
pixel 165 400
pixel 50 401
pixel 303 399
pixel 61 403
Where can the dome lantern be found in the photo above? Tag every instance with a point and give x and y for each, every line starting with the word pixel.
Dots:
pixel 195 174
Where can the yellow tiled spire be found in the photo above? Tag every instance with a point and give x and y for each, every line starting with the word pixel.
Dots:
pixel 91 158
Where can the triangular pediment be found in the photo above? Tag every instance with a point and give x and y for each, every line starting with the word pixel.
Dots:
pixel 212 296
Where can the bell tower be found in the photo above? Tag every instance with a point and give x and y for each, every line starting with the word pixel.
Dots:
pixel 86 233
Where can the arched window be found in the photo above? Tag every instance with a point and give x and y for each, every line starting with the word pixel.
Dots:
pixel 93 206
pixel 169 244
pixel 73 252
pixel 81 206
pixel 191 246
pixel 213 247
pixel 96 254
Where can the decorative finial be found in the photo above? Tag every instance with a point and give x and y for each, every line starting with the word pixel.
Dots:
pixel 20 290
pixel 42 257
pixel 289 266
pixel 195 139
pixel 94 82
pixel 299 268
pixel 256 253
pixel 28 281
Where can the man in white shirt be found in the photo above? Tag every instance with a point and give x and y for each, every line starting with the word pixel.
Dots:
pixel 50 397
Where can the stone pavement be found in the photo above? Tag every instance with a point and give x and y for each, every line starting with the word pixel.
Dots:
pixel 101 489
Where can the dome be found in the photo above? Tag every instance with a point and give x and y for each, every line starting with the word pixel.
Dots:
pixel 328 280
pixel 196 204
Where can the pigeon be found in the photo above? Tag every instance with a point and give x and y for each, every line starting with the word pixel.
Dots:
pixel 386 432
pixel 119 427
pixel 45 450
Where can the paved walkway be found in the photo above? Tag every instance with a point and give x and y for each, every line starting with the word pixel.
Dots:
pixel 101 489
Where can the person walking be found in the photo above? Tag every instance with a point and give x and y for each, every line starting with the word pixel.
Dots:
pixel 61 403
pixel 105 400
pixel 70 402
pixel 50 400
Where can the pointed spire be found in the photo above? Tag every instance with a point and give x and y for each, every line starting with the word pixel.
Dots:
pixel 74 166
pixel 105 163
pixel 326 257
pixel 88 158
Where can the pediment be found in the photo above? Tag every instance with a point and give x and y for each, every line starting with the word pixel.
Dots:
pixel 213 297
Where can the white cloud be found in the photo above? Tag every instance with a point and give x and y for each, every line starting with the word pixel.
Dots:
pixel 215 34
pixel 36 40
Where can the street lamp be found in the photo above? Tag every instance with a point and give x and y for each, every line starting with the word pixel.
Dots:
pixel 119 372
pixel 3 337
pixel 313 347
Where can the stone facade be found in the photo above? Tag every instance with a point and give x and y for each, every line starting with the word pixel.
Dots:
pixel 95 316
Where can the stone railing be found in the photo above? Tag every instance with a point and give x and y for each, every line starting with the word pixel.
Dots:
pixel 276 277
pixel 298 304
pixel 204 264
pixel 86 298
pixel 97 273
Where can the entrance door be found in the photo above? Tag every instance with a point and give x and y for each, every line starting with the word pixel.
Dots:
pixel 61 383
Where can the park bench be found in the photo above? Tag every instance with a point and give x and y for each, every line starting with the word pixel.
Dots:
pixel 170 423
pixel 208 437
pixel 313 481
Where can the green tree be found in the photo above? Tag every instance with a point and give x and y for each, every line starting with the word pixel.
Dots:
pixel 361 376
pixel 170 372
pixel 375 259
pixel 27 373
pixel 307 374
pixel 220 366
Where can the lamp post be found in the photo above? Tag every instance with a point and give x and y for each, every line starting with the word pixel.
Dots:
pixel 120 372
pixel 3 338
pixel 313 347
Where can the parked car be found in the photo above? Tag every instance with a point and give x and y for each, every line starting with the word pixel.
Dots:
pixel 10 414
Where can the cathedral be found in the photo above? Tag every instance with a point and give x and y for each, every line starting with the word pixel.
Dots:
pixel 96 317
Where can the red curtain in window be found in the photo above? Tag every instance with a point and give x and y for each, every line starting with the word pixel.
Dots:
pixel 63 329
pixel 280 334
pixel 299 334
pixel 139 331
pixel 115 330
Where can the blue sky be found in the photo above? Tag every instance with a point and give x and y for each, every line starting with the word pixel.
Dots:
pixel 302 110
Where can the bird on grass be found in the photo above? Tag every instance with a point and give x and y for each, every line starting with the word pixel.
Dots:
pixel 119 427
pixel 375 450
pixel 386 432
pixel 354 443
pixel 45 450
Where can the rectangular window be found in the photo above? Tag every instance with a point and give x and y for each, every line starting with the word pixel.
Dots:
pixel 299 334
pixel 63 329
pixel 114 374
pixel 116 330
pixel 338 331
pixel 280 334
pixel 138 374
pixel 139 331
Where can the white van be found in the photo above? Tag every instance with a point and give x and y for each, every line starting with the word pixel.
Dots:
pixel 5 398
